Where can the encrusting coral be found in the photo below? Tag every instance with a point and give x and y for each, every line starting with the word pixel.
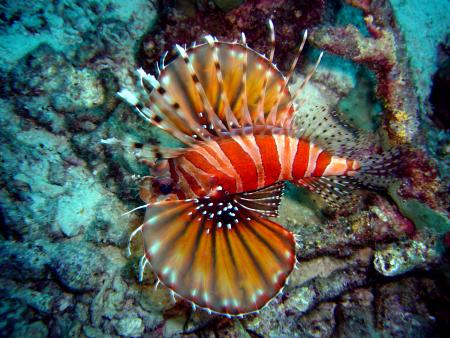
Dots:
pixel 381 54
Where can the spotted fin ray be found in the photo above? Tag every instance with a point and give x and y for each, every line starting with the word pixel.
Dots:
pixel 212 88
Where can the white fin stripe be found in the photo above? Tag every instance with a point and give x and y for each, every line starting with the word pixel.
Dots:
pixel 171 106
pixel 260 105
pixel 272 115
pixel 165 124
pixel 283 156
pixel 297 56
pixel 247 120
pixel 314 153
pixel 272 40
pixel 149 116
pixel 304 83
pixel 181 117
pixel 229 116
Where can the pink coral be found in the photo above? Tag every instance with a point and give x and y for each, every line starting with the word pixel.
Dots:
pixel 380 54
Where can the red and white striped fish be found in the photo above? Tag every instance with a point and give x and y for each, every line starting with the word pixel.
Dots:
pixel 207 234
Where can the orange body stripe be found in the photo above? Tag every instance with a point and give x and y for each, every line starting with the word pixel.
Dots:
pixel 270 159
pixel 249 145
pixel 301 160
pixel 323 161
pixel 226 166
pixel 242 162
pixel 228 183
pixel 193 184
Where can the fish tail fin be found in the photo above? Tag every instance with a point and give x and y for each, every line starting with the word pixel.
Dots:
pixel 378 171
pixel 370 170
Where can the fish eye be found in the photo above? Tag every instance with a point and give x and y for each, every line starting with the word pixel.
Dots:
pixel 165 188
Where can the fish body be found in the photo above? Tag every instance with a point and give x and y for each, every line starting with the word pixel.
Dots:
pixel 207 233
pixel 249 162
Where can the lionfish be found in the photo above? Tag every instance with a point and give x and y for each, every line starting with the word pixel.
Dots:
pixel 207 233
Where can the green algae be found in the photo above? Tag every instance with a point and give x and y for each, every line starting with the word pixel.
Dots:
pixel 420 214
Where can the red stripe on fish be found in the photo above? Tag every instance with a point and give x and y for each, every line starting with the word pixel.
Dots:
pixel 301 160
pixel 195 187
pixel 322 162
pixel 243 163
pixel 270 159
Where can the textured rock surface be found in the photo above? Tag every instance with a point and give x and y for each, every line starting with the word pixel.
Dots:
pixel 63 265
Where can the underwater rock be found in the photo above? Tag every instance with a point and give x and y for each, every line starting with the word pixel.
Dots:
pixel 420 43
pixel 356 310
pixel 39 73
pixel 174 327
pixel 401 312
pixel 58 182
pixel 33 79
pixel 319 323
pixel 397 258
pixel 93 332
pixel 82 90
pixel 37 329
pixel 379 53
pixel 422 215
pixel 227 5
pixel 63 26
pixel 250 17
pixel 54 92
pixel 22 261
pixel 78 266
pixel 129 326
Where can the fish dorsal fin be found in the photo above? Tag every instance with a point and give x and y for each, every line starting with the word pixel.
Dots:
pixel 214 87
pixel 265 201
pixel 217 254
pixel 326 129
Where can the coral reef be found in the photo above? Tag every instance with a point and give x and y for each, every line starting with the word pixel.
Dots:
pixel 396 259
pixel 379 271
pixel 183 25
pixel 379 53
pixel 380 47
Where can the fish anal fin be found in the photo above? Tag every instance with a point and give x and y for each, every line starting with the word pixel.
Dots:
pixel 217 254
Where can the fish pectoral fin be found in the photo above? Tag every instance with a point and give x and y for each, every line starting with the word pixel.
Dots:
pixel 265 201
pixel 217 254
